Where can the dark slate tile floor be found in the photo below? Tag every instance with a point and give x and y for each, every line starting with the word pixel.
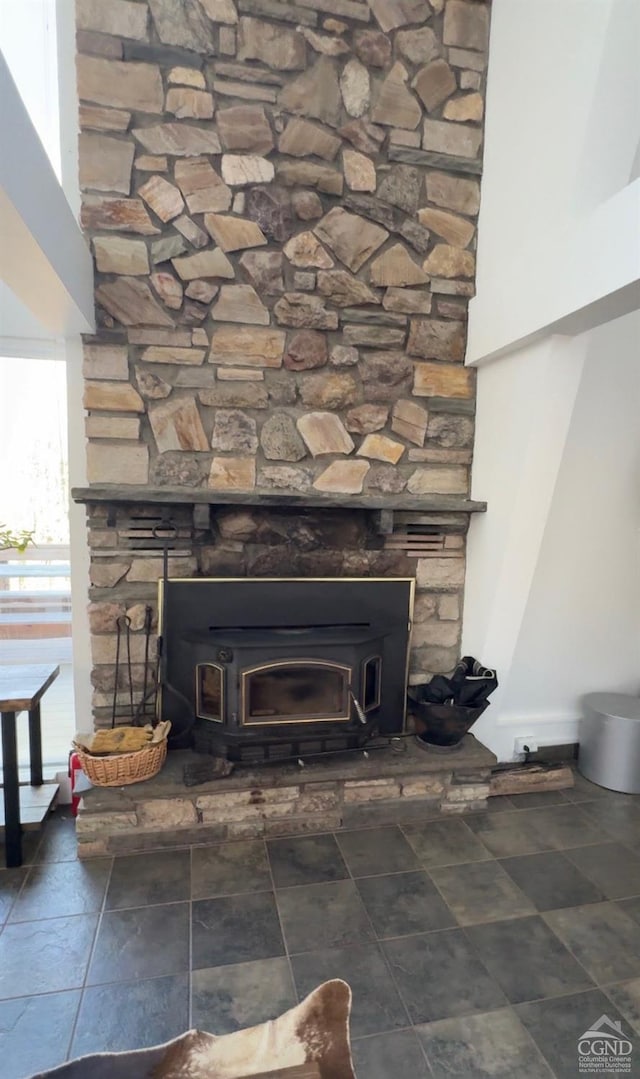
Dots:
pixel 477 947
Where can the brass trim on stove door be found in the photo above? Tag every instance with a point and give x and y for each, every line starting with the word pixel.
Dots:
pixel 365 663
pixel 407 666
pixel 199 710
pixel 265 580
pixel 348 671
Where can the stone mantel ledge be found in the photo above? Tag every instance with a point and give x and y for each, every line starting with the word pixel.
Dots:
pixel 115 493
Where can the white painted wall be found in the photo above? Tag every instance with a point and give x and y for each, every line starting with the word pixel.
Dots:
pixel 45 259
pixel 524 409
pixel 28 43
pixel 583 616
pixel 69 123
pixel 553 581
pixel 543 67
pixel 558 225
pixel 553 588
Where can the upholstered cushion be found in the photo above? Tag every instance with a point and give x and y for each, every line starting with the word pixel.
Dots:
pixel 316 1030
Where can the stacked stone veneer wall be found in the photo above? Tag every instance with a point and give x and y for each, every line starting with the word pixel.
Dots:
pixel 281 201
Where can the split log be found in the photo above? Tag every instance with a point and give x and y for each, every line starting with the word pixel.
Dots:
pixel 525 779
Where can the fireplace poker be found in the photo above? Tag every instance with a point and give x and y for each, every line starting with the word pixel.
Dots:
pixel 220 767
pixel 126 621
pixel 147 639
pixel 147 693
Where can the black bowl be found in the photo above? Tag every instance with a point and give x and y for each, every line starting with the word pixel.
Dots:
pixel 443 725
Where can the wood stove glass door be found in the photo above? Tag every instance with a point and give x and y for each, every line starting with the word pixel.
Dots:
pixel 296 691
pixel 210 692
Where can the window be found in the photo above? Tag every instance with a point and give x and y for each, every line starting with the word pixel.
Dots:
pixel 35 600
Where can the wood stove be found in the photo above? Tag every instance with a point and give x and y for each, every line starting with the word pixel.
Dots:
pixel 266 667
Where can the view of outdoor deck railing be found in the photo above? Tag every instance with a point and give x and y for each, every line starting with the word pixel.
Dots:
pixel 35 588
pixel 35 627
pixel 35 595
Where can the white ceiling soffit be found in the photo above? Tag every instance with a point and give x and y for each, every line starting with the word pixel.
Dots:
pixel 44 259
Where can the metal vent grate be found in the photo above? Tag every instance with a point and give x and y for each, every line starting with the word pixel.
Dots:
pixel 152 534
pixel 419 540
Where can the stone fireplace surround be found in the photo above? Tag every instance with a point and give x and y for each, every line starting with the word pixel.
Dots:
pixel 281 202
pixel 264 540
pixel 221 540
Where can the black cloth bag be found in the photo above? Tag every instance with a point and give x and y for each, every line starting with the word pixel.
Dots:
pixel 470 685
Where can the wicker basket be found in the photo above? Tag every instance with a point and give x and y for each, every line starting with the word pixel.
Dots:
pixel 123 768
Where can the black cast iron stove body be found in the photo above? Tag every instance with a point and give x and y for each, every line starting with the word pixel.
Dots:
pixel 260 663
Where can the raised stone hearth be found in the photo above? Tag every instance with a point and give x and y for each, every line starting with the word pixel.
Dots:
pixel 284 799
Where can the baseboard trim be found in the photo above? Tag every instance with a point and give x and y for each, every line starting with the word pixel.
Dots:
pixel 549 730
